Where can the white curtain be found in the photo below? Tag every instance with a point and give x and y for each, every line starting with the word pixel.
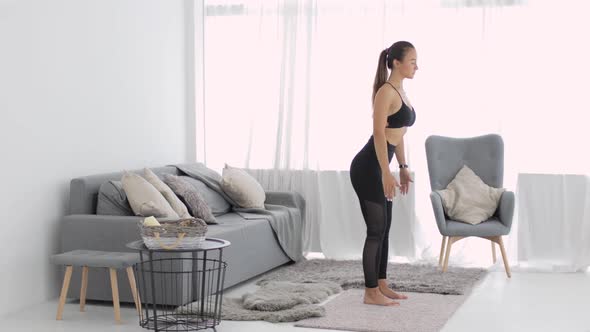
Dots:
pixel 288 86
pixel 554 222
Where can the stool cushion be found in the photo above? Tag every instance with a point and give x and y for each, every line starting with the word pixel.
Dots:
pixel 94 258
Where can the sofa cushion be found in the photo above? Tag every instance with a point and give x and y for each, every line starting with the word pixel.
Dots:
pixel 218 205
pixel 191 197
pixel 145 199
pixel 112 200
pixel 170 196
pixel 242 187
pixel 468 199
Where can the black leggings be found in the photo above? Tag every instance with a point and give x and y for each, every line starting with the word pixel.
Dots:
pixel 365 175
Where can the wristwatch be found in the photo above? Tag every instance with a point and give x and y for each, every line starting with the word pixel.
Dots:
pixel 403 165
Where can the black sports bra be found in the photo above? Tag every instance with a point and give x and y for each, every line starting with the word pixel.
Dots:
pixel 405 117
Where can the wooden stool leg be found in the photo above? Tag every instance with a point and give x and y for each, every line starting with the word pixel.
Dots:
pixel 83 287
pixel 115 290
pixel 133 286
pixel 64 292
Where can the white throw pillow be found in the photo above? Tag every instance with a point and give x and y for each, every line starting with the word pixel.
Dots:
pixel 176 204
pixel 242 188
pixel 468 199
pixel 145 199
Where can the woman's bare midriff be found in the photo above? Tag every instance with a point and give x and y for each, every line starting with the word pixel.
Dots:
pixel 394 135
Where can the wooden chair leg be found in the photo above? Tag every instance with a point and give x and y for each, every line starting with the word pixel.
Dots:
pixel 133 286
pixel 83 287
pixel 493 252
pixel 450 242
pixel 115 291
pixel 64 292
pixel 504 257
pixel 442 251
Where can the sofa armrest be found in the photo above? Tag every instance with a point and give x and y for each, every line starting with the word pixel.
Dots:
pixel 506 208
pixel 439 213
pixel 286 198
pixel 99 232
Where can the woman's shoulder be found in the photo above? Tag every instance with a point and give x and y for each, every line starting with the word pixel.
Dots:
pixel 387 93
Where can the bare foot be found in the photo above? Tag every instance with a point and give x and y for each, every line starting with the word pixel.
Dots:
pixel 388 292
pixel 374 296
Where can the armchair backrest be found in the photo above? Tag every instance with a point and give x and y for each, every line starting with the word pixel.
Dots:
pixel 483 154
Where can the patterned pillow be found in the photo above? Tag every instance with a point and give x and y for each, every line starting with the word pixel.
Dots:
pixel 215 200
pixel 176 203
pixel 191 197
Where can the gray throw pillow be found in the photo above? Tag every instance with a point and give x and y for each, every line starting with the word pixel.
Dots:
pixel 197 206
pixel 218 205
pixel 112 200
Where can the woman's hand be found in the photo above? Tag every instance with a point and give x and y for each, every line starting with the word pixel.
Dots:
pixel 389 185
pixel 405 179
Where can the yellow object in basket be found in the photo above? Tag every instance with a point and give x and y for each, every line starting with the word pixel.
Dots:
pixel 151 221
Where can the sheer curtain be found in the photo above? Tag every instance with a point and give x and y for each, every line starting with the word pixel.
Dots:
pixel 288 97
pixel 288 86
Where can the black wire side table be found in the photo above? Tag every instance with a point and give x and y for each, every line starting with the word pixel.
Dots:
pixel 180 289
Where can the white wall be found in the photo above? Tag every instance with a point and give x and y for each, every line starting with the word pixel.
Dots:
pixel 85 87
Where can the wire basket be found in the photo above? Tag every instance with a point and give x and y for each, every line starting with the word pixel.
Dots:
pixel 180 294
pixel 188 233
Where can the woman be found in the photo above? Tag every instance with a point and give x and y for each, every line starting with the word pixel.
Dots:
pixel 371 178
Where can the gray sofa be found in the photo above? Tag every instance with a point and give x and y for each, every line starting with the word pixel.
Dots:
pixel 254 246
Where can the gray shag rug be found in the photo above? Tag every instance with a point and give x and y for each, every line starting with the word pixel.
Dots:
pixel 280 295
pixel 292 293
pixel 419 278
pixel 276 301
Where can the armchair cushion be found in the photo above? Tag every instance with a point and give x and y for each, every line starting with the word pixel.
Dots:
pixel 468 199
pixel 489 228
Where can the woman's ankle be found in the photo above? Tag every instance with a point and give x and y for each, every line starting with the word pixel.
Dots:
pixel 372 290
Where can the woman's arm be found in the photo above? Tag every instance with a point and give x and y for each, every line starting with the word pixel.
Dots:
pixel 383 100
pixel 404 173
pixel 400 154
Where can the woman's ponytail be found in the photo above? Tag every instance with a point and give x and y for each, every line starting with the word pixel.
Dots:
pixel 381 75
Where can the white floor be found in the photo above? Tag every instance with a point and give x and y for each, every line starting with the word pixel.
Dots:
pixel 526 302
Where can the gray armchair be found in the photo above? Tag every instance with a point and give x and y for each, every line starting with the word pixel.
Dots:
pixel 485 156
